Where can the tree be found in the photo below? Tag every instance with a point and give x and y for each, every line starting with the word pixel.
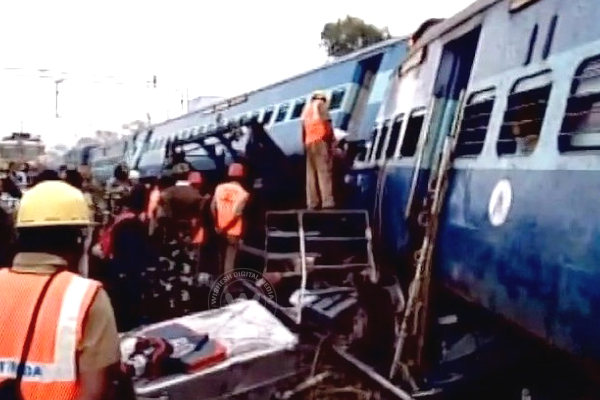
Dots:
pixel 350 34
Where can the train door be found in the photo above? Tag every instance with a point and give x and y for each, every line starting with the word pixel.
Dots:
pixel 452 78
pixel 366 73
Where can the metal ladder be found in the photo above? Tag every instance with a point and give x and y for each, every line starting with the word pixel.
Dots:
pixel 414 322
pixel 301 242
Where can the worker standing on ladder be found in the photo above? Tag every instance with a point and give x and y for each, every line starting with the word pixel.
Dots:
pixel 227 207
pixel 59 322
pixel 317 132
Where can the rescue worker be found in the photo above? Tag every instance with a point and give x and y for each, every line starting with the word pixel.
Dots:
pixel 317 132
pixel 228 204
pixel 74 312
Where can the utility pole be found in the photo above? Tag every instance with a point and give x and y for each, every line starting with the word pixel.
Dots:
pixel 56 83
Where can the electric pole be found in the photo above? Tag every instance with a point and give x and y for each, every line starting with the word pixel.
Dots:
pixel 56 83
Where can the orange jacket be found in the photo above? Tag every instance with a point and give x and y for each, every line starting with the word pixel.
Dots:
pixel 316 127
pixel 51 368
pixel 228 200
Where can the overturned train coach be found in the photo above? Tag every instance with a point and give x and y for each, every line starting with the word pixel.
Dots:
pixel 520 230
pixel 356 85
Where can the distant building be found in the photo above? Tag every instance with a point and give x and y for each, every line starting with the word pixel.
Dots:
pixel 201 102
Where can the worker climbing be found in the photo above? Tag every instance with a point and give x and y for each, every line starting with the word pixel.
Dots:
pixel 317 132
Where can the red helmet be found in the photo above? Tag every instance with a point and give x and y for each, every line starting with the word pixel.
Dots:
pixel 195 178
pixel 236 170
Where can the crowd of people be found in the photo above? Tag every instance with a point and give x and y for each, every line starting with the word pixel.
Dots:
pixel 157 244
pixel 117 257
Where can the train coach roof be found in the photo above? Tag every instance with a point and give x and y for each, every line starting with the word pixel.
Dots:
pixel 450 23
pixel 359 54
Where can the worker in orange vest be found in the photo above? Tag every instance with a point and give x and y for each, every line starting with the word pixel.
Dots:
pixel 227 207
pixel 60 323
pixel 317 133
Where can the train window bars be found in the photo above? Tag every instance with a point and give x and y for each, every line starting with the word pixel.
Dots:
pixel 267 115
pixel 298 108
pixel 382 139
pixel 394 136
pixel 475 121
pixel 337 97
pixel 366 154
pixel 581 124
pixel 282 112
pixel 413 133
pixel 524 115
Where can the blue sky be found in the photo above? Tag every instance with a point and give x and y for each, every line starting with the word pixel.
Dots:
pixel 218 48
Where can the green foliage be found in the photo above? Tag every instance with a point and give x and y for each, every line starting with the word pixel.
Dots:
pixel 350 34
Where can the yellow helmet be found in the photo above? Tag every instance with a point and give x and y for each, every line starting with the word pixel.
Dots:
pixel 319 94
pixel 53 203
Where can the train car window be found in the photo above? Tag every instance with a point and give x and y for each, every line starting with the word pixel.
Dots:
pixel 282 112
pixel 524 117
pixel 337 97
pixel 581 123
pixel 394 136
pixel 474 126
pixel 298 108
pixel 411 136
pixel 366 155
pixel 255 115
pixel 382 139
pixel 267 115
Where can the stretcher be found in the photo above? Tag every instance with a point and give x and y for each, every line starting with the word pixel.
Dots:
pixel 260 353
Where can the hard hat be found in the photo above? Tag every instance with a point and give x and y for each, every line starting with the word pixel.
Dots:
pixel 319 94
pixel 133 174
pixel 195 178
pixel 53 203
pixel 236 170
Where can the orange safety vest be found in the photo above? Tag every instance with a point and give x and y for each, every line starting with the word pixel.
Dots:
pixel 51 368
pixel 228 197
pixel 315 128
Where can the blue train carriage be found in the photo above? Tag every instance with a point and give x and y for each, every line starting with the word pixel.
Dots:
pixel 104 159
pixel 355 84
pixel 79 157
pixel 519 234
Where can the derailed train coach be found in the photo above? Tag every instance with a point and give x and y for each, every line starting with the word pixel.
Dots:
pixel 356 85
pixel 519 231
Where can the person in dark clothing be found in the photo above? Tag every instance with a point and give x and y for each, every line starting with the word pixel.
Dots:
pixel 132 254
pixel 74 178
pixel 179 215
pixel 46 175
pixel 117 188
pixel 7 238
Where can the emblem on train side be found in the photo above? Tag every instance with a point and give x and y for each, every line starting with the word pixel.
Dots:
pixel 500 203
